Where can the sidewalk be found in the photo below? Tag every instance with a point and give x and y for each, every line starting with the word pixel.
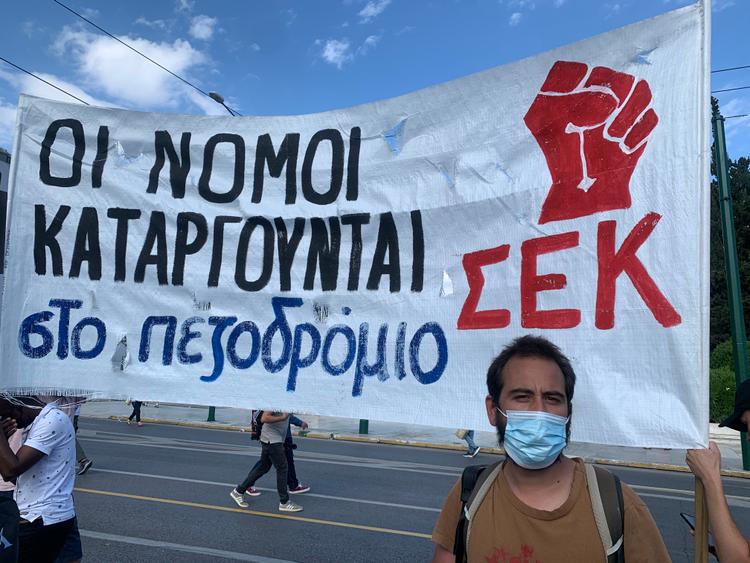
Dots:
pixel 389 432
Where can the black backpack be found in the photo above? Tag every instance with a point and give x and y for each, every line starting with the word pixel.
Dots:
pixel 256 424
pixel 605 491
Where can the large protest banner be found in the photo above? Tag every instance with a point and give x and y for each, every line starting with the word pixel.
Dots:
pixel 370 262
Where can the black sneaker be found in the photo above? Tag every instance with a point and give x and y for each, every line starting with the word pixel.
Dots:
pixel 84 466
pixel 472 453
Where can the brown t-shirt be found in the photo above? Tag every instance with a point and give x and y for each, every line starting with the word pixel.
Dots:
pixel 505 530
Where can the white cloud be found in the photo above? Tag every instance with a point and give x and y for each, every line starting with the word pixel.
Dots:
pixel 153 24
pixel 339 51
pixel 109 67
pixel 289 16
pixel 559 3
pixel 202 27
pixel 184 5
pixel 26 84
pixel 515 19
pixel 721 5
pixel 368 44
pixel 372 9
pixel 336 52
pixel 7 124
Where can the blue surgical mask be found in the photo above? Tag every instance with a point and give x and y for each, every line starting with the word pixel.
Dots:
pixel 534 439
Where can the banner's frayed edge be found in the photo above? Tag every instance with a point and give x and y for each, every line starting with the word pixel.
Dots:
pixel 53 392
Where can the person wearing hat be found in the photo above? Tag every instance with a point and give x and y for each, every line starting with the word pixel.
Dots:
pixel 706 465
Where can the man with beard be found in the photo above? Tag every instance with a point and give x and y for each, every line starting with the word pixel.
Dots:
pixel 536 504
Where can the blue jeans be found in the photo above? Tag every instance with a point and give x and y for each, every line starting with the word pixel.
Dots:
pixel 470 440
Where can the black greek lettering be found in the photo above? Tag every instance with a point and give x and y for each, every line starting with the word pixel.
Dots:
pixel 155 236
pixel 218 247
pixel 243 247
pixel 179 167
pixel 79 149
pixel 182 247
pixel 287 249
pixel 356 220
pixel 238 180
pixel 387 242
pixel 287 156
pixel 86 247
pixel 323 253
pixel 44 237
pixel 122 216
pixel 337 167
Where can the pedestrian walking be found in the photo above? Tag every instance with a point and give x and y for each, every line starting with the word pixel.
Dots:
pixel 272 437
pixel 293 484
pixel 468 437
pixel 136 413
pixel 83 461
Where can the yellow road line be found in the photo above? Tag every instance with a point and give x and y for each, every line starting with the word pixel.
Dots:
pixel 256 513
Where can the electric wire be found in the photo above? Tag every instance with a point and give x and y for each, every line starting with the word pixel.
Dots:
pixel 47 82
pixel 107 33
pixel 728 69
pixel 730 89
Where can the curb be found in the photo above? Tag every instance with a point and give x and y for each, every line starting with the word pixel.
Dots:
pixel 416 444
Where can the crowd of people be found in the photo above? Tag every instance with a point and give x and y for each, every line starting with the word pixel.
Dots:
pixel 536 504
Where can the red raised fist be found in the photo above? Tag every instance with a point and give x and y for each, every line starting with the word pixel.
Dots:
pixel 592 127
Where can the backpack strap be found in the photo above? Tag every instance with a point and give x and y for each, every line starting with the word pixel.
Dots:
pixel 476 480
pixel 605 491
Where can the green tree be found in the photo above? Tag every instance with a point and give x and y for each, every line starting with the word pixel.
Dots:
pixel 739 179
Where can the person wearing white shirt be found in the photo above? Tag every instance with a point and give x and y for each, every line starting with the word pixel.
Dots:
pixel 44 469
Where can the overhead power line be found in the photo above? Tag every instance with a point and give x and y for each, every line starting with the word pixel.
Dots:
pixel 728 69
pixel 107 33
pixel 730 89
pixel 47 82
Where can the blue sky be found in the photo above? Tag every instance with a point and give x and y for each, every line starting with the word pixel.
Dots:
pixel 292 57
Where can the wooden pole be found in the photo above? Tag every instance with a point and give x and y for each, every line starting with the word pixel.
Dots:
pixel 701 524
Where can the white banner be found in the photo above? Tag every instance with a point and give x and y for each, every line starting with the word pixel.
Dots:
pixel 370 262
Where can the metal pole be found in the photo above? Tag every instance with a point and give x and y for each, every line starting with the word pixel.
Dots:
pixel 700 539
pixel 364 426
pixel 731 264
pixel 211 414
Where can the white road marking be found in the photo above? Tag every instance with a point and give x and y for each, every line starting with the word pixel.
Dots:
pixel 220 484
pixel 235 555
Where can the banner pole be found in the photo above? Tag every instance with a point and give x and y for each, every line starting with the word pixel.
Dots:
pixel 731 265
pixel 700 540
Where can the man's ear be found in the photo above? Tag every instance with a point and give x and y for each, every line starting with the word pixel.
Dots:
pixel 491 412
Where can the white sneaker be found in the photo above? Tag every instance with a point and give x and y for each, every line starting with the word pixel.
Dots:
pixel 238 497
pixel 290 506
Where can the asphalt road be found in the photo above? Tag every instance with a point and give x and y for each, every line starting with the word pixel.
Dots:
pixel 161 493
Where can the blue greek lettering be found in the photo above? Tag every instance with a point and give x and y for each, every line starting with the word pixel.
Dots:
pixel 297 362
pixel 239 330
pixel 65 306
pixel 32 325
pixel 144 349
pixel 434 374
pixel 75 338
pixel 221 324
pixel 351 347
pixel 363 369
pixel 186 335
pixel 281 326
pixel 400 345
